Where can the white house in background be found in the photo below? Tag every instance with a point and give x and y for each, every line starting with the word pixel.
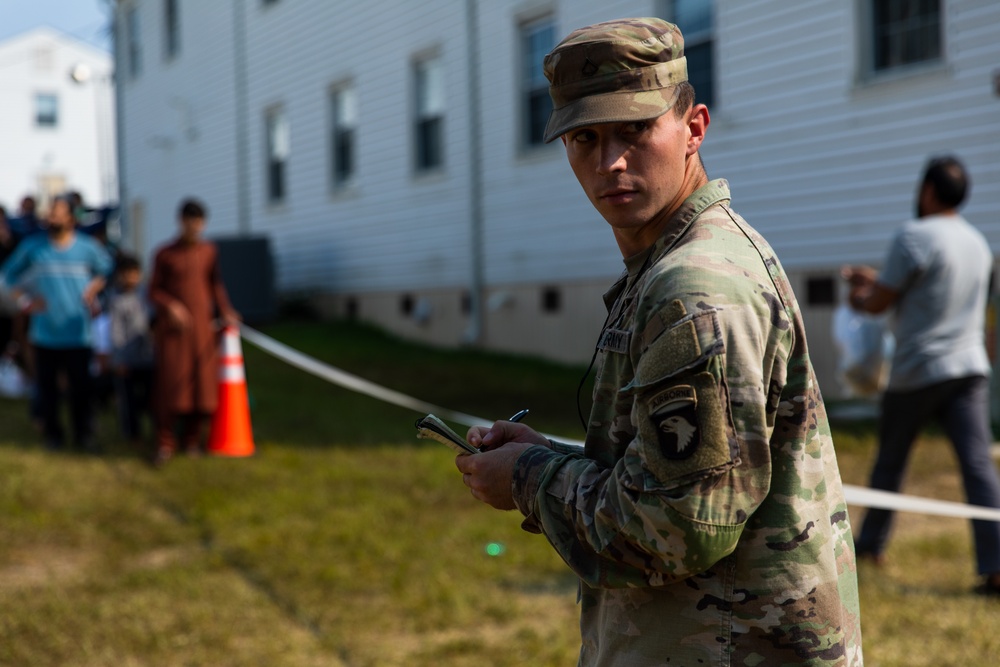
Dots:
pixel 390 150
pixel 57 127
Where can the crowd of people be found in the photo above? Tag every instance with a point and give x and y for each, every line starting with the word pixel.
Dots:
pixel 78 324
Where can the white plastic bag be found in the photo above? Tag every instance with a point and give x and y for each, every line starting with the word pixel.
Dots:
pixel 865 345
pixel 12 380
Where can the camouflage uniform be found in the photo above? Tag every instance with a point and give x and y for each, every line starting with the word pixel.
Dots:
pixel 706 517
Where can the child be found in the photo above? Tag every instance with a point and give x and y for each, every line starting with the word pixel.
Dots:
pixel 131 347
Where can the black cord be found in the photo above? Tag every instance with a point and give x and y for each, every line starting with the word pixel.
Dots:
pixel 583 380
pixel 597 346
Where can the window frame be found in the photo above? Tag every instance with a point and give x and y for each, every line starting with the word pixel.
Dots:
pixel 133 43
pixel 340 179
pixel 870 71
pixel 276 166
pixel 697 39
pixel 428 126
pixel 44 123
pixel 171 30
pixel 527 28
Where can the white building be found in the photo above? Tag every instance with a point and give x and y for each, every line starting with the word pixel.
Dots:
pixel 56 119
pixel 389 149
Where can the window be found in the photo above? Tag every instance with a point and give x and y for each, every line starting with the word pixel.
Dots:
pixel 551 300
pixel 429 122
pixel 278 150
pixel 343 126
pixel 46 110
pixel 132 41
pixel 537 39
pixel 904 32
pixel 697 24
pixel 172 25
pixel 821 291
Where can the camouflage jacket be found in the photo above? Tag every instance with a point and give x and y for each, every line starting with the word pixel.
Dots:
pixel 706 517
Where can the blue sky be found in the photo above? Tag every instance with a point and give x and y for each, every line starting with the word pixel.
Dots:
pixel 85 20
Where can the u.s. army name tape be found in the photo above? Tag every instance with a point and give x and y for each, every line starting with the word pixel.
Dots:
pixel 855 495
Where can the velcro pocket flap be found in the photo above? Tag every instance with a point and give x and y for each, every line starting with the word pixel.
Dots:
pixel 685 345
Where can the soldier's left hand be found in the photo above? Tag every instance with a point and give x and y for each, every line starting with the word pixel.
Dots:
pixel 489 475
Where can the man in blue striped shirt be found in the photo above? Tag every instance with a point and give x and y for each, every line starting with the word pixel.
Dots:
pixel 58 276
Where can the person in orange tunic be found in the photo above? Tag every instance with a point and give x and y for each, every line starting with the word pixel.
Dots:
pixel 187 291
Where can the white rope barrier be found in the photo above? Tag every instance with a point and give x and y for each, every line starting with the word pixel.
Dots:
pixel 855 495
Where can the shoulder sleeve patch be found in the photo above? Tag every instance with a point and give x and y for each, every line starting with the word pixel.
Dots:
pixel 682 431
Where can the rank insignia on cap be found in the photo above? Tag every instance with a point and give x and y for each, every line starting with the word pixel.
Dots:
pixel 674 416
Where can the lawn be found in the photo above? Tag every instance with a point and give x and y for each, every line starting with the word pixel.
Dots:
pixel 346 542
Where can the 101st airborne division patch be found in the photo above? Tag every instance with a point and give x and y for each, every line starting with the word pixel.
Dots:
pixel 674 414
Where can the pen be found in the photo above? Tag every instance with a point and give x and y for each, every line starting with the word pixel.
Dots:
pixel 519 415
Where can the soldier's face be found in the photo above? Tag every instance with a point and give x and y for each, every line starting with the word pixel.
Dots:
pixel 637 173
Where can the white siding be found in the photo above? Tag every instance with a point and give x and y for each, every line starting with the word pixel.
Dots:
pixel 178 126
pixel 81 147
pixel 821 160
pixel 826 165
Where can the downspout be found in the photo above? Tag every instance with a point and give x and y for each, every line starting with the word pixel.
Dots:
pixel 240 80
pixel 475 334
pixel 122 172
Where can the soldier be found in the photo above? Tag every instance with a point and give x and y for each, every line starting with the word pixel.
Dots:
pixel 705 515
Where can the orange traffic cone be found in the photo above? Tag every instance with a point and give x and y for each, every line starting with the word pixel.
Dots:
pixel 231 434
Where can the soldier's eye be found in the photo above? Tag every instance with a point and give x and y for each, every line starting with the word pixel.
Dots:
pixel 583 136
pixel 636 127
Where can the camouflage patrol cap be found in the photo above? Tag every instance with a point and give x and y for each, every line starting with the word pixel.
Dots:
pixel 612 72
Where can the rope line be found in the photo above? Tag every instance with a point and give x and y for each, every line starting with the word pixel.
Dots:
pixel 854 495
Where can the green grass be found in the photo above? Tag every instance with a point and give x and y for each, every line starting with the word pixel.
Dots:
pixel 347 542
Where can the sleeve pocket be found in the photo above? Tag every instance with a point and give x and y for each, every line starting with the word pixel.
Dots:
pixel 682 431
pixel 680 410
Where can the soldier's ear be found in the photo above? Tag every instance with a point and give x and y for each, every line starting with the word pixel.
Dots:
pixel 698 121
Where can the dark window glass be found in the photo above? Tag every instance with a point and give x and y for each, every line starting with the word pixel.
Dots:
pixel 429 122
pixel 173 28
pixel 406 304
pixel 538 38
pixel 700 69
pixel 551 300
pixel 344 121
pixel 905 32
pixel 821 291
pixel 278 150
pixel 696 20
pixel 46 110
pixel 133 42
pixel 429 154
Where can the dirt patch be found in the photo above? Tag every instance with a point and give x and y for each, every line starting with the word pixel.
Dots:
pixel 44 567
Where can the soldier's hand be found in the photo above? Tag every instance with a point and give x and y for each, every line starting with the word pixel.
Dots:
pixel 489 475
pixel 503 432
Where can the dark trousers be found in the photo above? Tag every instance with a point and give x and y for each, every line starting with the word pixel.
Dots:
pixel 134 391
pixel 74 363
pixel 961 406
